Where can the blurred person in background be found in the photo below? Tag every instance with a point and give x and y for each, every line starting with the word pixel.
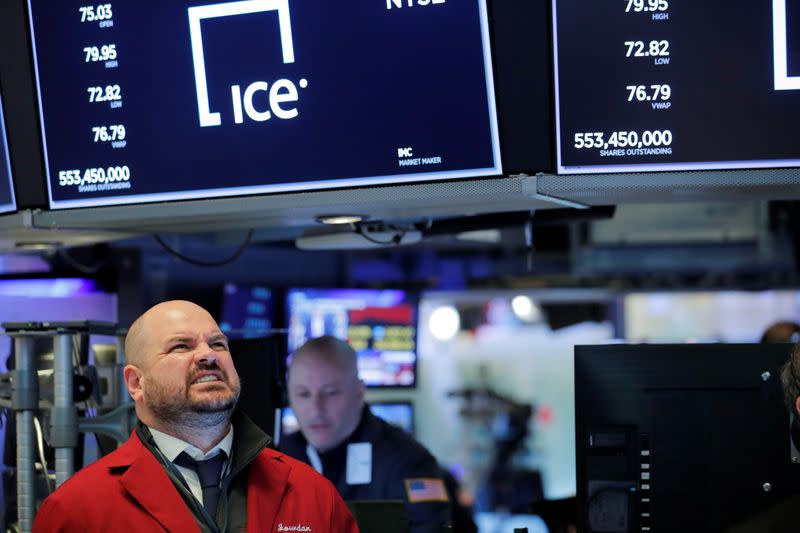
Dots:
pixel 365 457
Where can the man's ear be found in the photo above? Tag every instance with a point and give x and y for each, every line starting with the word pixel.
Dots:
pixel 362 389
pixel 797 406
pixel 133 379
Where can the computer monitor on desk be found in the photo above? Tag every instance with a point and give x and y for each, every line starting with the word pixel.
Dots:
pixel 683 438
pixel 380 516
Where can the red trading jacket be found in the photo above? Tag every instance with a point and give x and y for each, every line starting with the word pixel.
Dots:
pixel 128 490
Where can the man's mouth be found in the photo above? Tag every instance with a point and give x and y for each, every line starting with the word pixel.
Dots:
pixel 207 378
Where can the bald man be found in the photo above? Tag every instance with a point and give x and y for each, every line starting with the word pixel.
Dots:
pixel 363 456
pixel 194 463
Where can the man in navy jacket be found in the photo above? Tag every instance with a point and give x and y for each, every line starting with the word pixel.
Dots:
pixel 363 456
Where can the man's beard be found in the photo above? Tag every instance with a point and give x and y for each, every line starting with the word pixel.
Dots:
pixel 180 408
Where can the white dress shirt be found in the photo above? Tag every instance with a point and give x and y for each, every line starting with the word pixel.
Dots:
pixel 172 447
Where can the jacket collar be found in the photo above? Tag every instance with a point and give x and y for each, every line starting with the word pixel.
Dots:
pixel 267 477
pixel 146 482
pixel 248 441
pixel 267 484
pixel 367 430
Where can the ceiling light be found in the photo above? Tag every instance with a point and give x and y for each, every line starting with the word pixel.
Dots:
pixel 348 240
pixel 444 323
pixel 340 219
pixel 525 309
pixel 491 236
pixel 37 246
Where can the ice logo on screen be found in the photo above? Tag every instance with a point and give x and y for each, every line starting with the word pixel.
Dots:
pixel 783 80
pixel 282 93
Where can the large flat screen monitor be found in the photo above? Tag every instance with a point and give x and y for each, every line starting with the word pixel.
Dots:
pixel 7 199
pixel 380 325
pixel 644 85
pixel 690 438
pixel 144 101
pixel 247 311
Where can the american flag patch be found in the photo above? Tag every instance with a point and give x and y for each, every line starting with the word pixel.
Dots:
pixel 425 489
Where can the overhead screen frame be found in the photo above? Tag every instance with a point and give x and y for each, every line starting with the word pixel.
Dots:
pixel 295 187
pixel 7 208
pixel 523 65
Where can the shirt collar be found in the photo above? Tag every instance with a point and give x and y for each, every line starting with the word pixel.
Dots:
pixel 172 447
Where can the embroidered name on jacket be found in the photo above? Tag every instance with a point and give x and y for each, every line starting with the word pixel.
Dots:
pixel 293 527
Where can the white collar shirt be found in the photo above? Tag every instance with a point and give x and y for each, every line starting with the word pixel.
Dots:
pixel 172 447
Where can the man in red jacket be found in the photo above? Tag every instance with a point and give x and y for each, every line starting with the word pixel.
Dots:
pixel 194 464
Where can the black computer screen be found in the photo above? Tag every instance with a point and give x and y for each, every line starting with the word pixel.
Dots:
pixel 260 365
pixel 685 438
pixel 150 101
pixel 646 85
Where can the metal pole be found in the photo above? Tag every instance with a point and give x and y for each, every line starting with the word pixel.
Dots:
pixel 25 399
pixel 64 417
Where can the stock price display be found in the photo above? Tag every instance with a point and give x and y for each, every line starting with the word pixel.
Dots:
pixel 147 101
pixel 647 85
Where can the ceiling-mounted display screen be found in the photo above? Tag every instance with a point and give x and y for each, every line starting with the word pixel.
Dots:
pixel 150 101
pixel 645 85
pixel 7 201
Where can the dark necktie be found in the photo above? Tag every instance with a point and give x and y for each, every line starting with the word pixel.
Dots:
pixel 208 472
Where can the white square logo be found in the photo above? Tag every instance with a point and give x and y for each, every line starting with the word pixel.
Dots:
pixel 282 92
pixel 783 82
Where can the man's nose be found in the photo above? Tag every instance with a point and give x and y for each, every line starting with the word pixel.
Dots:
pixel 319 403
pixel 205 355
